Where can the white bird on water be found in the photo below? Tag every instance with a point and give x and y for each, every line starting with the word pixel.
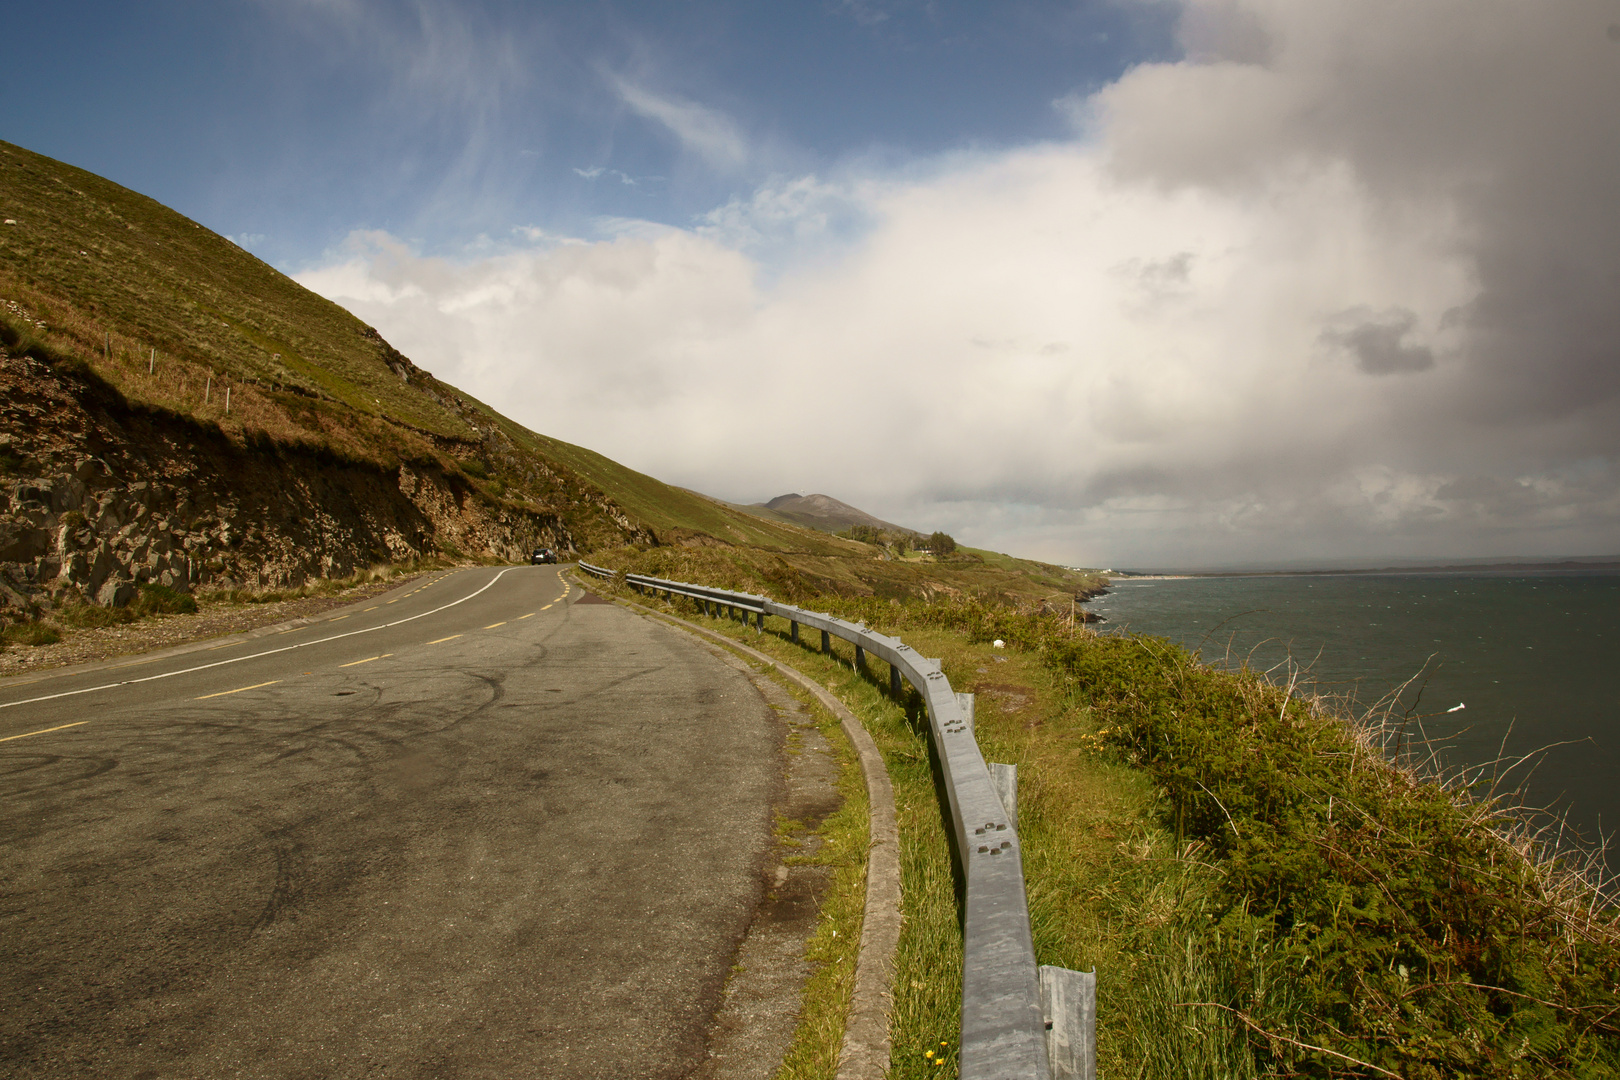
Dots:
pixel 1457 707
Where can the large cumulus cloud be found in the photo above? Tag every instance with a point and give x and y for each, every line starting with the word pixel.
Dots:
pixel 1344 280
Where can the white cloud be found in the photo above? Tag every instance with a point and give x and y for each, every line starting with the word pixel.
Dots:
pixel 1278 301
pixel 706 132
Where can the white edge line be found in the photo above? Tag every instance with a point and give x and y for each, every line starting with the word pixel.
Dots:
pixel 255 656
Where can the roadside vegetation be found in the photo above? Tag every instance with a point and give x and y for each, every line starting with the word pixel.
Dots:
pixel 861 569
pixel 834 947
pixel 1265 886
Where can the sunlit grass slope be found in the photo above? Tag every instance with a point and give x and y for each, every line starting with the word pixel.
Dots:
pixel 173 315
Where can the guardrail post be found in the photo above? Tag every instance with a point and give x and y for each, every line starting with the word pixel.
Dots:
pixel 1004 778
pixel 965 703
pixel 1069 1002
pixel 860 658
pixel 894 681
pixel 826 642
pixel 794 633
pixel 759 622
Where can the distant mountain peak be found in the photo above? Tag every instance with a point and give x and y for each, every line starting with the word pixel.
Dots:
pixel 826 513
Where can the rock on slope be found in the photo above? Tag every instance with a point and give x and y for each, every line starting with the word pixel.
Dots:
pixel 110 496
pixel 173 410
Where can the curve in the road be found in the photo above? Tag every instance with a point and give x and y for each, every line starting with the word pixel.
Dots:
pixel 509 835
pixel 252 656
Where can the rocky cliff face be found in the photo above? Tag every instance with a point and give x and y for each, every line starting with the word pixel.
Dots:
pixel 98 496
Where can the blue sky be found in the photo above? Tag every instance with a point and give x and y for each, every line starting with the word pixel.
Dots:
pixel 1124 282
pixel 293 123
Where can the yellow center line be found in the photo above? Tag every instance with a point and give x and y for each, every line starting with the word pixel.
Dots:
pixel 452 637
pixel 549 606
pixel 367 660
pixel 493 625
pixel 395 600
pixel 530 615
pixel 372 608
pixel 224 645
pixel 43 731
pixel 294 630
pixel 238 690
pixel 335 618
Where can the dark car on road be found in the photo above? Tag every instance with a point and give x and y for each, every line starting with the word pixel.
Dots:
pixel 543 555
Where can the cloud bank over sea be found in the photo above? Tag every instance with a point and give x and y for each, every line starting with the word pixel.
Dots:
pixel 1341 278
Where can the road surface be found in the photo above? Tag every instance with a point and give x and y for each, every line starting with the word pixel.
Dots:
pixel 475 827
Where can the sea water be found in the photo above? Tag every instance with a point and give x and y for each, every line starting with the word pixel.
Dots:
pixel 1497 667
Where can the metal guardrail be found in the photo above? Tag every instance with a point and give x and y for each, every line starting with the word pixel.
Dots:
pixel 1010 1025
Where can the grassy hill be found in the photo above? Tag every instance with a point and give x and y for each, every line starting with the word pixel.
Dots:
pixel 175 410
pixel 107 282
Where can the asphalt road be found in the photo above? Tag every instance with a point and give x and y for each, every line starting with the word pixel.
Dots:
pixel 471 828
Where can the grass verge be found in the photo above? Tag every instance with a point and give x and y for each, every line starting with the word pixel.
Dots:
pixel 833 948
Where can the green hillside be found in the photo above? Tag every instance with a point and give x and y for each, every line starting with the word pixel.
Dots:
pixel 172 315
pixel 166 337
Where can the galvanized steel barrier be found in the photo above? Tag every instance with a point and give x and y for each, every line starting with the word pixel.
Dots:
pixel 1009 1025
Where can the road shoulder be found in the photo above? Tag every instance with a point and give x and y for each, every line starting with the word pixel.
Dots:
pixel 865 1049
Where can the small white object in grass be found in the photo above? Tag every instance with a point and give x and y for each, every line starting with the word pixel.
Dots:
pixel 1459 707
pixel 11 221
pixel 998 644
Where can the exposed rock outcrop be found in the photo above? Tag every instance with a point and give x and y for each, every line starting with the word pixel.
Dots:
pixel 98 497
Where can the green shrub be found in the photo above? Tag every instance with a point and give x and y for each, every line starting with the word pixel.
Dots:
pixel 82 616
pixel 30 633
pixel 1417 937
pixel 162 600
